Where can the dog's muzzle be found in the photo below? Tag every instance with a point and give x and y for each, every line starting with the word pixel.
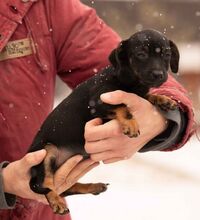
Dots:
pixel 155 78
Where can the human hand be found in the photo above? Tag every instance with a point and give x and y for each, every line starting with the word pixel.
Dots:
pixel 71 171
pixel 18 172
pixel 16 176
pixel 107 143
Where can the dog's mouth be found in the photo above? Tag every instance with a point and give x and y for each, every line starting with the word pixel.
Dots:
pixel 152 78
pixel 151 82
pixel 154 84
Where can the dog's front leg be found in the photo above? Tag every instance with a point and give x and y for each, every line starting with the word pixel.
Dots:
pixel 163 102
pixel 129 124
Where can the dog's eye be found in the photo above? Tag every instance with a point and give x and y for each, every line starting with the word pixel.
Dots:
pixel 142 55
pixel 167 55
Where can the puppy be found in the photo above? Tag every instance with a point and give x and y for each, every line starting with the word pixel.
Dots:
pixel 137 64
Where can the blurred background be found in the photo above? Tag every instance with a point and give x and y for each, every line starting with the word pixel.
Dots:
pixel 153 185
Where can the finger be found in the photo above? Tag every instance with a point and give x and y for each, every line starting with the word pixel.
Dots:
pixel 76 174
pixel 120 97
pixel 96 146
pixel 34 158
pixel 106 144
pixel 70 182
pixel 107 130
pixel 113 160
pixel 90 126
pixel 89 168
pixel 80 170
pixel 103 156
pixel 43 200
pixel 107 155
pixel 93 123
pixel 67 167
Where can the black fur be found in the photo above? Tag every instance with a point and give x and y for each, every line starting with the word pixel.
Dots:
pixel 138 64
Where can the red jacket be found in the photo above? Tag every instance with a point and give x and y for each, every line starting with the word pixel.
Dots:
pixel 68 39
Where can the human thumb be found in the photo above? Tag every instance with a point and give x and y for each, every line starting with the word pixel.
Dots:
pixel 114 97
pixel 33 158
pixel 121 97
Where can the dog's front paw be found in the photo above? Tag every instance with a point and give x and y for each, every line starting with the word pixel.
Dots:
pixel 131 128
pixel 127 121
pixel 168 105
pixel 163 102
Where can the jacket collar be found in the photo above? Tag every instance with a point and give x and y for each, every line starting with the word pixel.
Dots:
pixel 12 13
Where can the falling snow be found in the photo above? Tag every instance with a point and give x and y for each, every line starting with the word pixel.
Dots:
pixel 158 50
pixel 92 103
pixel 197 13
pixel 93 111
pixel 180 22
pixel 95 70
pixel 11 105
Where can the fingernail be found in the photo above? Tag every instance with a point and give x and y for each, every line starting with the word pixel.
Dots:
pixel 41 152
pixel 79 158
pixel 106 96
pixel 97 164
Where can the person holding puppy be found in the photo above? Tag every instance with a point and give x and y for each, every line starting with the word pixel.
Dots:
pixel 42 38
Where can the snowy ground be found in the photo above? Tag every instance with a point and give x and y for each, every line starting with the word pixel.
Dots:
pixel 148 186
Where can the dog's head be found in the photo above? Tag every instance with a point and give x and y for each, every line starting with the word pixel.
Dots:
pixel 147 55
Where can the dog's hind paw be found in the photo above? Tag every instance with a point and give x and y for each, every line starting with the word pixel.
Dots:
pixel 59 208
pixel 99 188
pixel 57 203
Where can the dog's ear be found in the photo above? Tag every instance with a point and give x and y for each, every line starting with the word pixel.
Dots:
pixel 174 62
pixel 119 56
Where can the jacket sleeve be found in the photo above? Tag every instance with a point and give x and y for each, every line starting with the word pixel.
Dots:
pixel 181 121
pixel 82 49
pixel 82 41
pixel 7 201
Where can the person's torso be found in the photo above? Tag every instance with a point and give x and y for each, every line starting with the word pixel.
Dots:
pixel 26 81
pixel 27 77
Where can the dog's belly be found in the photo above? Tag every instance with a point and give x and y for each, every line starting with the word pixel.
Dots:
pixel 64 153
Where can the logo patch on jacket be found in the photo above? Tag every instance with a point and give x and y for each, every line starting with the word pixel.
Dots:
pixel 17 48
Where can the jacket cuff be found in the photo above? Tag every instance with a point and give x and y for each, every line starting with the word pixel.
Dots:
pixel 7 201
pixel 172 135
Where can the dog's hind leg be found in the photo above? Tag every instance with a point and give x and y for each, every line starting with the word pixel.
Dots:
pixel 56 202
pixel 85 188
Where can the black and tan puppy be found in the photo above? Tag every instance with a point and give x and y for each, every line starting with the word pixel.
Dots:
pixel 137 64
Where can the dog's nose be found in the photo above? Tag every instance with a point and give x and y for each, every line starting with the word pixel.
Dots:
pixel 157 74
